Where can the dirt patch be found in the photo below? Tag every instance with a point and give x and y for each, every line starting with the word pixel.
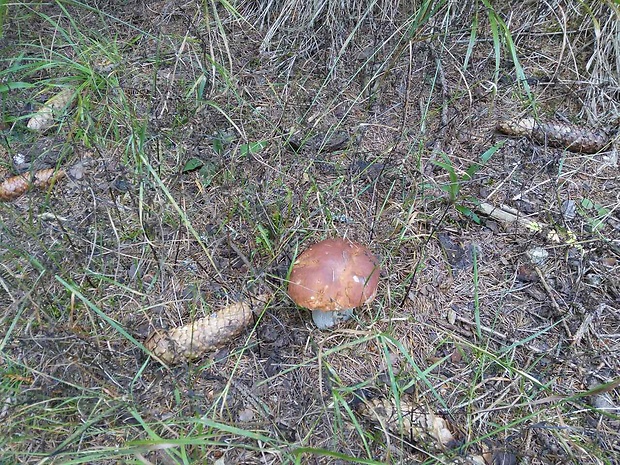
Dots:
pixel 201 159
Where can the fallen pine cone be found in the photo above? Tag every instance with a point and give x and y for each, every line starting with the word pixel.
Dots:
pixel 556 134
pixel 16 186
pixel 44 119
pixel 206 334
pixel 417 424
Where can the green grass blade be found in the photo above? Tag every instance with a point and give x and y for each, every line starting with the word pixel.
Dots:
pixel 328 453
pixel 472 40
pixel 113 323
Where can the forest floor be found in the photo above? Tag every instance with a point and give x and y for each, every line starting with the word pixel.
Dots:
pixel 206 147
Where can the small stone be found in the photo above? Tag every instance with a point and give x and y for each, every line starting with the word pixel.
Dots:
pixel 537 255
pixel 569 209
pixel 246 415
pixel 527 273
pixel 451 316
pixel 594 279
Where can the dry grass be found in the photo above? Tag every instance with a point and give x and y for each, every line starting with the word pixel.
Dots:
pixel 209 145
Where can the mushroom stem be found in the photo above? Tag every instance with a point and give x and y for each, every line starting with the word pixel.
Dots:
pixel 326 320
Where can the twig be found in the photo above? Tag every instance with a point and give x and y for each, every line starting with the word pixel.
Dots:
pixel 554 303
pixel 486 329
pixel 437 147
pixel 531 348
pixel 583 327
pixel 508 215
pixel 259 276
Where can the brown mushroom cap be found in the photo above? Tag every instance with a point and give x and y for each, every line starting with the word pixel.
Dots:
pixel 334 274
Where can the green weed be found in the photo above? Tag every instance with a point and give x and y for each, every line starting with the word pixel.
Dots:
pixel 456 181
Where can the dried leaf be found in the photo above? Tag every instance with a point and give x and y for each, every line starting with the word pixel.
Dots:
pixel 15 186
pixel 43 119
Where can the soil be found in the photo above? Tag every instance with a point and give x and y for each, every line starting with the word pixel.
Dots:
pixel 193 182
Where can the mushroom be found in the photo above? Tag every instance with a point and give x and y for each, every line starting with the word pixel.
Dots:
pixel 331 278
